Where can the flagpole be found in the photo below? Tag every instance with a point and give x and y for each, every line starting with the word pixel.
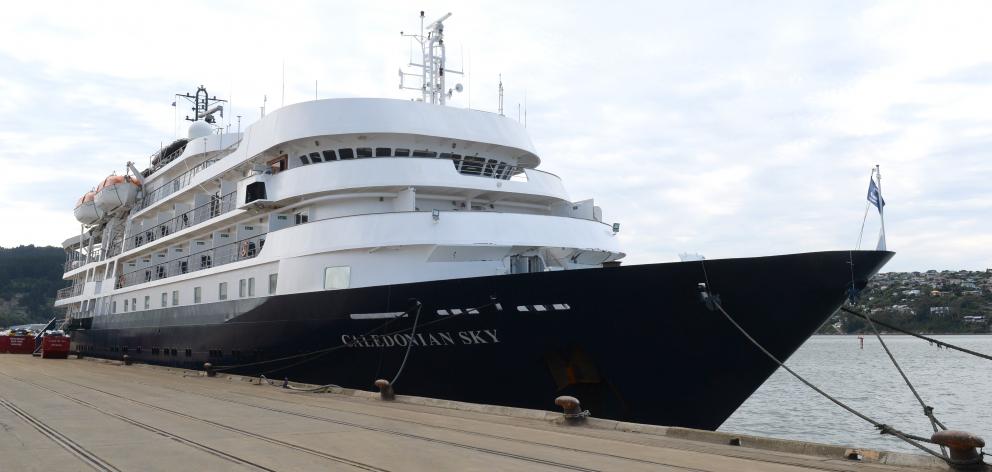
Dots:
pixel 881 206
pixel 865 217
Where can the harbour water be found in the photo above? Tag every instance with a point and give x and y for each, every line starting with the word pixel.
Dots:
pixel 957 385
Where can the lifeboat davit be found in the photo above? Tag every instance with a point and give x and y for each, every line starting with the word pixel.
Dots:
pixel 116 191
pixel 86 210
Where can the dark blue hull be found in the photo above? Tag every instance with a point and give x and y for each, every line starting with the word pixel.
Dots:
pixel 633 343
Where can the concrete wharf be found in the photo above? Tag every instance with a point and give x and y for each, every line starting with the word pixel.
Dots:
pixel 88 414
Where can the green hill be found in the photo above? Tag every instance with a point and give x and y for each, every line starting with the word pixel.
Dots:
pixel 29 278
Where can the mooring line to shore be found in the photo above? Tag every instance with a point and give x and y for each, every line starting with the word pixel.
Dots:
pixel 712 300
pixel 938 342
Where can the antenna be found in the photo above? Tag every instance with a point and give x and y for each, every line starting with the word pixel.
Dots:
pixel 432 65
pixel 202 102
pixel 501 95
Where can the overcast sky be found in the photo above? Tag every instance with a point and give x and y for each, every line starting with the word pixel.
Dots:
pixel 723 128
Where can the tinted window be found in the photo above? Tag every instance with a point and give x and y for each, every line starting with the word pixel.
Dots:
pixel 329 156
pixel 304 160
pixel 402 152
pixel 314 157
pixel 424 154
pixel 382 152
pixel 364 152
pixel 346 153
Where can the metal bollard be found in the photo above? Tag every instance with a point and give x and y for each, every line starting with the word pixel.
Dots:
pixel 210 369
pixel 962 445
pixel 127 359
pixel 385 390
pixel 572 408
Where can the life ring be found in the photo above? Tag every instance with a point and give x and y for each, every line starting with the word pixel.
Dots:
pixel 244 249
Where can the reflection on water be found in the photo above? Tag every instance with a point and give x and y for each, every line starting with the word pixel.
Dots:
pixel 957 385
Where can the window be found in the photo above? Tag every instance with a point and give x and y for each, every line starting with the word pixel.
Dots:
pixel 315 157
pixel 251 287
pixel 402 152
pixel 346 153
pixel 273 279
pixel 125 305
pixel 222 291
pixel 364 152
pixel 329 156
pixel 424 153
pixel 134 303
pixel 382 152
pixel 175 297
pixel 148 301
pixel 165 299
pixel 336 278
pixel 197 294
pixel 302 216
pixel 242 285
pixel 304 160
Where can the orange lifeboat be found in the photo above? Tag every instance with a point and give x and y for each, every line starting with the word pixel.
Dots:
pixel 86 210
pixel 116 191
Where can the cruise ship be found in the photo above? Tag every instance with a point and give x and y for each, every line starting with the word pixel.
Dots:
pixel 342 241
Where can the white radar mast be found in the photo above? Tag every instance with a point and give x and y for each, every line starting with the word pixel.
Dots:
pixel 432 64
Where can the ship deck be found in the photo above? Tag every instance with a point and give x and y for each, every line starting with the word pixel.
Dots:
pixel 94 414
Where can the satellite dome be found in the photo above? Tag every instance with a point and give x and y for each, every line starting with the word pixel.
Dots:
pixel 200 129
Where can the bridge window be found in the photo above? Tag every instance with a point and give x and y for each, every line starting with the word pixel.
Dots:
pixel 314 157
pixel 364 152
pixel 345 153
pixel 304 160
pixel 329 156
pixel 382 152
pixel 424 153
pixel 402 152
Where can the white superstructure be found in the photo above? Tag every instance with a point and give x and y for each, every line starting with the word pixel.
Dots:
pixel 333 194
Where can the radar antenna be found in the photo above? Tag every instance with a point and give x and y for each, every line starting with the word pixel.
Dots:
pixel 202 102
pixel 432 65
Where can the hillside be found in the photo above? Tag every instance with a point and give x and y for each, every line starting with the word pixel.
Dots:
pixel 926 302
pixel 29 278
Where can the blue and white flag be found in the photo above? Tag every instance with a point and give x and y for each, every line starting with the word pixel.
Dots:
pixel 875 196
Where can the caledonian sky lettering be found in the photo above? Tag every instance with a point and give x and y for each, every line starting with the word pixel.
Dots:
pixel 440 338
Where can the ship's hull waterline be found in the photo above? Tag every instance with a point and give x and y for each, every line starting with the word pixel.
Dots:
pixel 634 343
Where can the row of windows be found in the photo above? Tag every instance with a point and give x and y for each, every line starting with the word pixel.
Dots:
pixel 470 165
pixel 246 288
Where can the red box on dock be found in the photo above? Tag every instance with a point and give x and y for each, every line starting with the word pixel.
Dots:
pixel 21 344
pixel 4 343
pixel 55 347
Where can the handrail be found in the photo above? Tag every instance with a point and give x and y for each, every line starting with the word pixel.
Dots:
pixel 173 186
pixel 69 292
pixel 225 254
pixel 209 210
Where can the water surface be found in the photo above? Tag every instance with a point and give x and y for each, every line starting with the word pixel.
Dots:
pixel 957 385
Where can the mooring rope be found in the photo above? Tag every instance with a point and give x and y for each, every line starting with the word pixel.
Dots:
pixel 920 336
pixel 927 409
pixel 882 427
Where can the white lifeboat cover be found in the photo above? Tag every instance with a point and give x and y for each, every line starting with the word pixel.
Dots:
pixel 116 191
pixel 86 211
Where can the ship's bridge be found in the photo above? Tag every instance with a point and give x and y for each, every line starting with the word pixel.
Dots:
pixel 378 116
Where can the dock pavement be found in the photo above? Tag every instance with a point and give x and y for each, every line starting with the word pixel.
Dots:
pixel 89 414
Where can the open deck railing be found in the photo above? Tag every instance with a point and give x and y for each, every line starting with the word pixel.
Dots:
pixel 212 209
pixel 233 252
pixel 69 292
pixel 173 186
